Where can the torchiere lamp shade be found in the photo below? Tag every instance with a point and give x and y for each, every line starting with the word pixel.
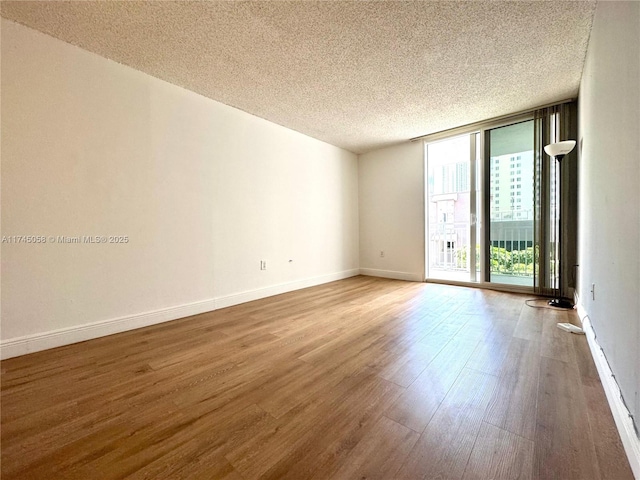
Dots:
pixel 560 148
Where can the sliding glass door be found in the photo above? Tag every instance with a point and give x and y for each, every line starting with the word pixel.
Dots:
pixel 491 205
pixel 510 252
pixel 451 198
pixel 479 206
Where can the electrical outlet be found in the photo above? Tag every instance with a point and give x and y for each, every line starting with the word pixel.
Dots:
pixel 263 264
pixel 382 253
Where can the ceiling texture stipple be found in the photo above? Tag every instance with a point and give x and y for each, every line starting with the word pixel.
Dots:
pixel 359 75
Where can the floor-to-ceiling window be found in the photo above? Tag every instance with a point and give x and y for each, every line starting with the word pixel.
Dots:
pixel 479 206
pixel 510 204
pixel 451 195
pixel 491 202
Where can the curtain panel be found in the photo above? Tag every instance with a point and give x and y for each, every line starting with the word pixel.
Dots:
pixel 555 124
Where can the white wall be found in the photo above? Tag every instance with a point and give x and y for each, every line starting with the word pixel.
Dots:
pixel 391 186
pixel 609 191
pixel 202 190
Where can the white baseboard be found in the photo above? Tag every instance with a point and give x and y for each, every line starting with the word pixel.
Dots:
pixel 373 272
pixel 14 347
pixel 257 294
pixel 630 440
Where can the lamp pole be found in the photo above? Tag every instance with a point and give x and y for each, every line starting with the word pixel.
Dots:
pixel 558 151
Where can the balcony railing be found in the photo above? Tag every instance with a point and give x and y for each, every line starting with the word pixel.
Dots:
pixel 511 252
pixel 447 249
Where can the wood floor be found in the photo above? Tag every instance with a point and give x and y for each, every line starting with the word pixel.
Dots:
pixel 358 379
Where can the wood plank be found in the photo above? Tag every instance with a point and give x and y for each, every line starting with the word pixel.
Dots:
pixel 489 356
pixel 514 402
pixel 201 455
pixel 556 343
pixel 299 447
pixel 606 439
pixel 381 453
pixel 445 446
pixel 529 324
pixel 500 454
pixel 414 361
pixel 564 445
pixel 419 402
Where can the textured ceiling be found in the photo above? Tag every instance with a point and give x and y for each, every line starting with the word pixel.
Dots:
pixel 359 75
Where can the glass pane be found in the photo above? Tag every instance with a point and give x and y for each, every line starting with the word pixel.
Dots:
pixel 449 209
pixel 511 255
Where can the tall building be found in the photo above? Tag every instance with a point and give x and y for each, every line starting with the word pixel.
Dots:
pixel 511 186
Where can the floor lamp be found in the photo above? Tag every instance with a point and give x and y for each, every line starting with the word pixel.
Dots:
pixel 558 151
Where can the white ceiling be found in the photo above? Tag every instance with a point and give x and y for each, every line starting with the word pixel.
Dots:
pixel 360 75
